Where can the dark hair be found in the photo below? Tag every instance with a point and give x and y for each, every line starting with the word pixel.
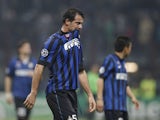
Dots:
pixel 21 43
pixel 121 42
pixel 71 13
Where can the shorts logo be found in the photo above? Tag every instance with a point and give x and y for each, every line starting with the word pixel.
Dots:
pixel 120 118
pixel 44 52
pixel 72 117
pixel 21 112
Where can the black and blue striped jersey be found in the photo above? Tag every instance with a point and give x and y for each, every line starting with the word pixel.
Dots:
pixel 62 54
pixel 114 73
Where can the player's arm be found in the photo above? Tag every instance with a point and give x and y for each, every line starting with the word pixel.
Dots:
pixel 100 87
pixel 132 96
pixel 30 100
pixel 84 83
pixel 8 93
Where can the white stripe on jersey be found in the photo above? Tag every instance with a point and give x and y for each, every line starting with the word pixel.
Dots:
pixel 23 72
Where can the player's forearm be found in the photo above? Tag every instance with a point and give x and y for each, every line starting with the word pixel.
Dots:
pixel 100 87
pixel 8 83
pixel 36 78
pixel 84 82
pixel 130 93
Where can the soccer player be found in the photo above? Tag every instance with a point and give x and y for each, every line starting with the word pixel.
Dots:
pixel 19 78
pixel 112 83
pixel 62 54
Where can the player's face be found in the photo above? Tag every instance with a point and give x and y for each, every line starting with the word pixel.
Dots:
pixel 25 49
pixel 76 24
pixel 128 50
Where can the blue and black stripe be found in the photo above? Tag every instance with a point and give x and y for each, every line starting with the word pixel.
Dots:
pixel 114 89
pixel 63 56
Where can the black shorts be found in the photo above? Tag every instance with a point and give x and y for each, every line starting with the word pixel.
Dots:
pixel 116 115
pixel 21 111
pixel 63 105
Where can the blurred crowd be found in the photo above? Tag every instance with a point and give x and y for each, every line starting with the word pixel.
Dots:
pixel 105 20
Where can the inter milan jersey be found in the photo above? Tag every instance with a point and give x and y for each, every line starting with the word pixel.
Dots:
pixel 20 72
pixel 113 72
pixel 62 54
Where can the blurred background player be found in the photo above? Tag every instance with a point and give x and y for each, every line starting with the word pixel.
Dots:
pixel 113 85
pixel 62 54
pixel 18 79
pixel 147 88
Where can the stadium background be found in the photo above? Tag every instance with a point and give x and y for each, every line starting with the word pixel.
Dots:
pixel 105 20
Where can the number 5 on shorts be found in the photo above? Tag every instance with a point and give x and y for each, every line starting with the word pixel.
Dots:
pixel 74 117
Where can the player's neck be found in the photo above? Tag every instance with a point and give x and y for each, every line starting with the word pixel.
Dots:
pixel 64 29
pixel 120 55
pixel 24 57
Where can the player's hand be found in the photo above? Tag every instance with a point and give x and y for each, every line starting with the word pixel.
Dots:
pixel 9 98
pixel 30 100
pixel 135 101
pixel 100 105
pixel 92 103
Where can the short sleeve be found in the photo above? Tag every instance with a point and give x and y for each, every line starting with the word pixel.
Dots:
pixel 106 67
pixel 9 71
pixel 49 51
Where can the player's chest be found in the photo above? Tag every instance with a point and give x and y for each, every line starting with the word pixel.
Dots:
pixel 120 66
pixel 70 47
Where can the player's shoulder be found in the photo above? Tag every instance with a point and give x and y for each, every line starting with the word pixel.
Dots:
pixel 76 33
pixel 52 38
pixel 13 61
pixel 109 59
pixel 109 56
